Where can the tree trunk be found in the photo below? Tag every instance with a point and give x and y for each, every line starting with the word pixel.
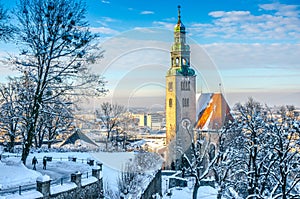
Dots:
pixel 284 184
pixel 26 148
pixel 30 134
pixel 11 144
pixel 195 191
pixel 219 195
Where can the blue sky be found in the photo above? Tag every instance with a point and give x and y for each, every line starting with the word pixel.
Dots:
pixel 236 20
pixel 251 47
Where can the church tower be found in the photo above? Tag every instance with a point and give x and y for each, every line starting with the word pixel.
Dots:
pixel 180 97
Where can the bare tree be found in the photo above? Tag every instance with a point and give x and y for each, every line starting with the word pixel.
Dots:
pixel 6 29
pixel 10 111
pixel 203 158
pixel 54 119
pixel 261 160
pixel 221 166
pixel 286 145
pixel 136 170
pixel 56 49
pixel 126 180
pixel 110 116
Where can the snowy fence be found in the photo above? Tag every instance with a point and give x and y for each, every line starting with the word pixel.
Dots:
pixel 17 189
pixel 9 156
pixel 61 181
pixel 84 186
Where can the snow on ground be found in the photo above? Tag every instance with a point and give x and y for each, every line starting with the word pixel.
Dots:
pixel 179 193
pixel 115 161
pixel 113 164
pixel 60 167
pixel 14 173
pixel 205 192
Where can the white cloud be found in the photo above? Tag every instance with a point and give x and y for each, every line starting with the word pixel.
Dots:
pixel 171 19
pixel 228 56
pixel 108 19
pixel 146 12
pixel 260 68
pixel 233 15
pixel 282 9
pixel 104 30
pixel 105 20
pixel 105 1
pixel 144 30
pixel 277 22
pixel 163 24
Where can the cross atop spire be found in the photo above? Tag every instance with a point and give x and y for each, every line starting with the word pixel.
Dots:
pixel 179 14
pixel 179 27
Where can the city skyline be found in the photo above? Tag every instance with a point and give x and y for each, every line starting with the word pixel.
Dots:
pixel 250 48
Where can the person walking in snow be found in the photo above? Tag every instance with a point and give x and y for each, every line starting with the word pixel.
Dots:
pixel 34 162
pixel 44 163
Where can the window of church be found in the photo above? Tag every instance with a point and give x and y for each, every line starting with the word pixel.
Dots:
pixel 185 102
pixel 177 61
pixel 170 86
pixel 183 61
pixel 170 102
pixel 185 85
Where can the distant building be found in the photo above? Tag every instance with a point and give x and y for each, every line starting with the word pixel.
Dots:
pixel 154 121
pixel 144 120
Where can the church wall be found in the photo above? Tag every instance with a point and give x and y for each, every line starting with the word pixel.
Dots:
pixel 184 112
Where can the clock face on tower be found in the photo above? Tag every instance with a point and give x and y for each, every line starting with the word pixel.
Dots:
pixel 186 123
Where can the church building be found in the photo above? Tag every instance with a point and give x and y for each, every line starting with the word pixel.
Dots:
pixel 180 97
pixel 188 116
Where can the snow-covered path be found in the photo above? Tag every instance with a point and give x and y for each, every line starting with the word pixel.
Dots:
pixel 60 167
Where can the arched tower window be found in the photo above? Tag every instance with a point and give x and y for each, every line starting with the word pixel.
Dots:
pixel 177 61
pixel 183 61
pixel 170 86
pixel 170 102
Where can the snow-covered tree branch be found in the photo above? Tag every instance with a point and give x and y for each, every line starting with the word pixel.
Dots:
pixel 56 49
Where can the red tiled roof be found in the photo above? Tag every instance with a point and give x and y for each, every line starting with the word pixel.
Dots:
pixel 212 111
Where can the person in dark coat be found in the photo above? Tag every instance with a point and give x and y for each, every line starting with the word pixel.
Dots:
pixel 34 162
pixel 44 163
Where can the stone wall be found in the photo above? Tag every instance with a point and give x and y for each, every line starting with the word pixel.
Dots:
pixel 89 188
pixel 154 187
pixel 177 182
pixel 91 191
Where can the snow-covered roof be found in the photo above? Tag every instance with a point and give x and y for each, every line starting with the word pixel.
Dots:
pixel 78 135
pixel 212 111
